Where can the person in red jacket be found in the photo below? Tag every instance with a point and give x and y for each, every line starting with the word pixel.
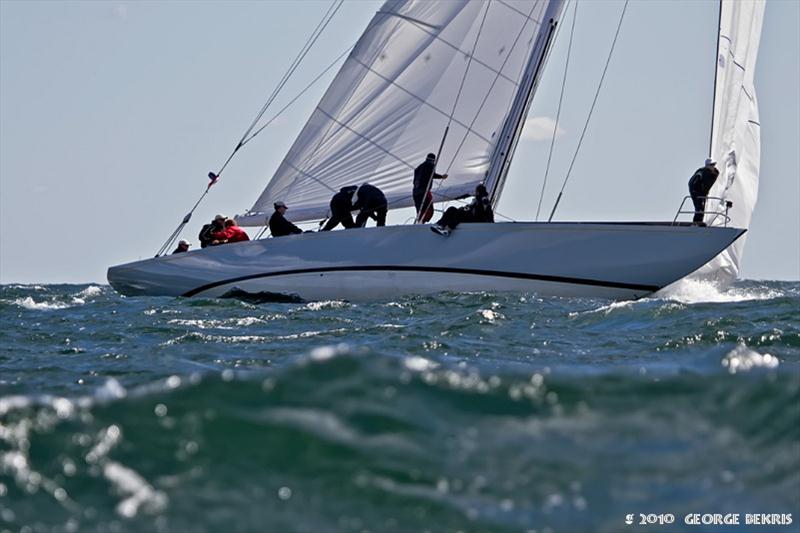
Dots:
pixel 231 233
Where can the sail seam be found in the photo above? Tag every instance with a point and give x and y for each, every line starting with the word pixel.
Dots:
pixel 456 48
pixel 515 10
pixel 306 174
pixel 491 88
pixel 409 19
pixel 381 148
pixel 444 113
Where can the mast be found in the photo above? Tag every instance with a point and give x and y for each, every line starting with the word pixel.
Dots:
pixel 716 75
pixel 515 122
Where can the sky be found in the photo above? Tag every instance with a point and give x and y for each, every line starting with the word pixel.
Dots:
pixel 112 113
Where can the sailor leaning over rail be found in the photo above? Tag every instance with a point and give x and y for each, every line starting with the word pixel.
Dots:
pixel 699 185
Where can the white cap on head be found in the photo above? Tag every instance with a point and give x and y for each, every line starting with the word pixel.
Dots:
pixel 184 242
pixel 220 217
pixel 710 161
pixel 278 204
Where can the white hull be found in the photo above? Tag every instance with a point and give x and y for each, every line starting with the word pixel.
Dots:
pixel 615 261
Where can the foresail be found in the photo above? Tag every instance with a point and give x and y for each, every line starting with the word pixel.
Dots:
pixel 736 134
pixel 393 97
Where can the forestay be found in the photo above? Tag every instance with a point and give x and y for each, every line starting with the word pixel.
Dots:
pixel 736 133
pixel 393 97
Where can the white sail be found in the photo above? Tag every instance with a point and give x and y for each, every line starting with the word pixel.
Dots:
pixel 736 133
pixel 392 99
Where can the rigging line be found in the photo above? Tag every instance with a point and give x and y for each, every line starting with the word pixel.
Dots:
pixel 469 62
pixel 591 110
pixel 422 100
pixel 716 75
pixel 301 93
pixel 379 18
pixel 309 43
pixel 424 204
pixel 297 60
pixel 491 88
pixel 558 112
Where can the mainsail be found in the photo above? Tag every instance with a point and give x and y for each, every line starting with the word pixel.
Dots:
pixel 418 67
pixel 736 133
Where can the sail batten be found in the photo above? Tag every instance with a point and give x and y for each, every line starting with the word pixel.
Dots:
pixel 388 105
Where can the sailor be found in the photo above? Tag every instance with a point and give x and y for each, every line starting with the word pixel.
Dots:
pixel 231 233
pixel 423 199
pixel 218 224
pixel 479 210
pixel 183 246
pixel 699 185
pixel 278 225
pixel 371 203
pixel 341 208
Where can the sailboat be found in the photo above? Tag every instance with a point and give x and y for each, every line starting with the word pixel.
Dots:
pixel 469 69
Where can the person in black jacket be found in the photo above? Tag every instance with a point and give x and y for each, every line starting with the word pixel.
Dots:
pixel 341 209
pixel 699 185
pixel 423 175
pixel 278 225
pixel 479 210
pixel 206 237
pixel 371 202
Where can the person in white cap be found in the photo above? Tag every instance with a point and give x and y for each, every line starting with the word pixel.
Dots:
pixel 206 233
pixel 183 246
pixel 699 185
pixel 278 225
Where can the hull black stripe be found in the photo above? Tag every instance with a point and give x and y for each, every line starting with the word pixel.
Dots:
pixel 377 268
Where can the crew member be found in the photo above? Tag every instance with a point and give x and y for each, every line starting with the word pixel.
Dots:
pixel 341 209
pixel 231 233
pixel 479 210
pixel 183 246
pixel 371 202
pixel 278 225
pixel 699 185
pixel 218 224
pixel 423 199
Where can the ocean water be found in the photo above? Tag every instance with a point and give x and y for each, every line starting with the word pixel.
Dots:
pixel 458 412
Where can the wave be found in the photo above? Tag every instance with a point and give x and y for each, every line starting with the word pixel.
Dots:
pixel 56 301
pixel 369 439
pixel 693 291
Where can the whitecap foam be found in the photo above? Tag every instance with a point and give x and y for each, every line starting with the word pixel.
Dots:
pixel 89 292
pixel 490 315
pixel 28 287
pixel 33 305
pixel 608 308
pixel 326 304
pixel 691 291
